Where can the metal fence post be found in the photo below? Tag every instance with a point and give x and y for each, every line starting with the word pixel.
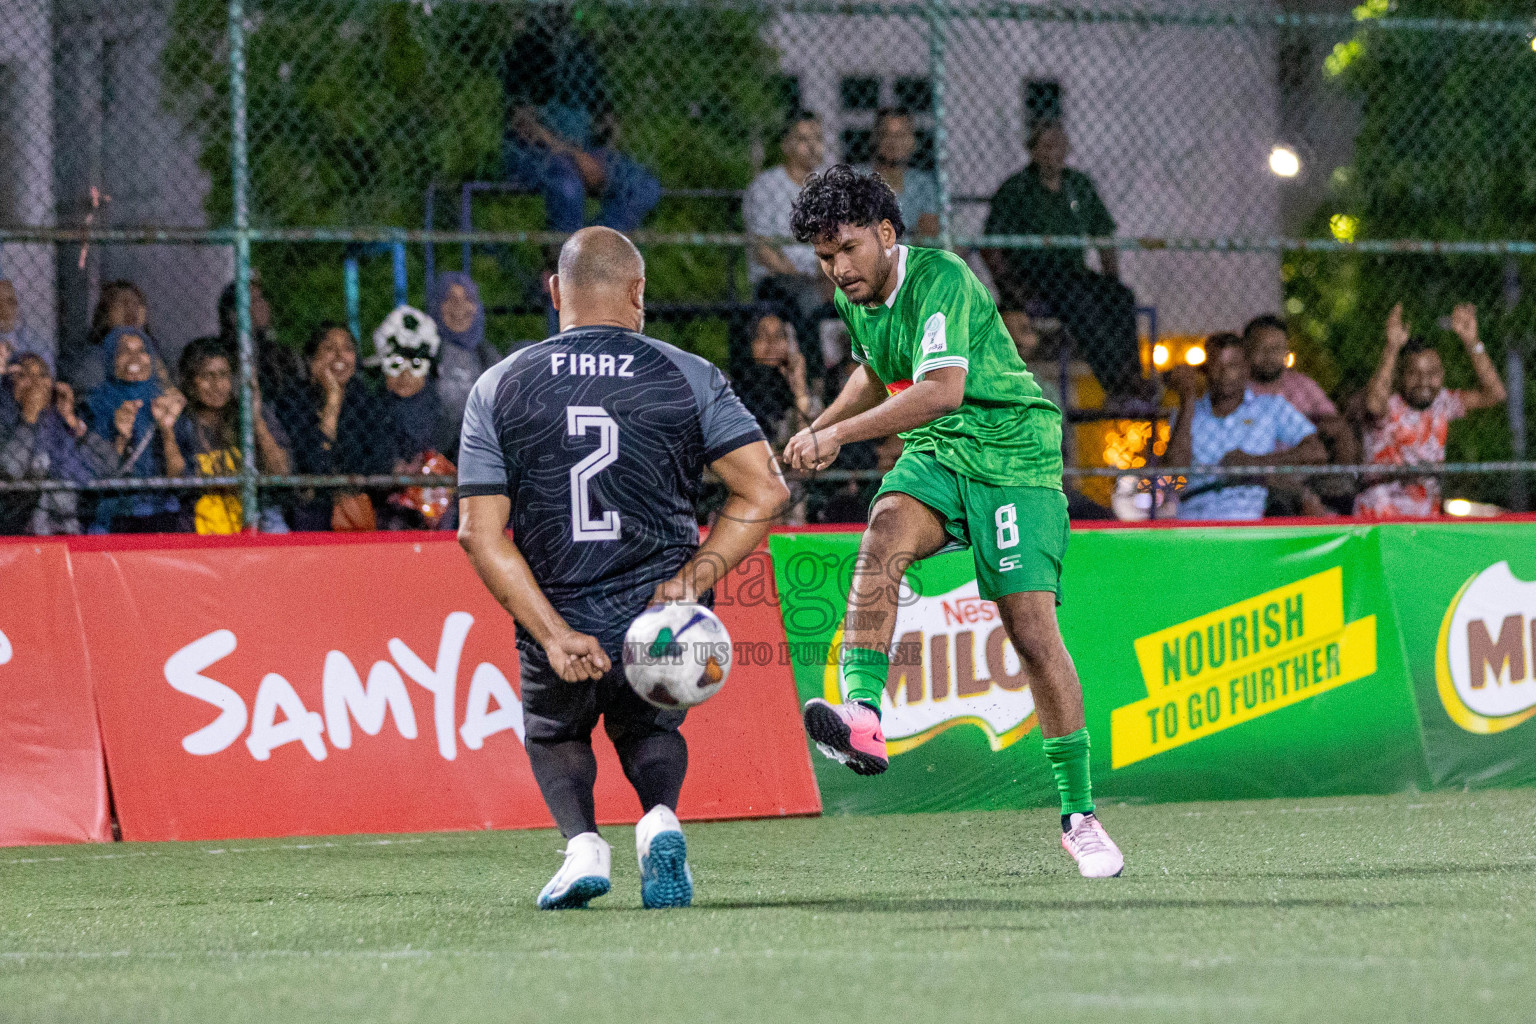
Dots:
pixel 240 170
pixel 938 32
pixel 1514 371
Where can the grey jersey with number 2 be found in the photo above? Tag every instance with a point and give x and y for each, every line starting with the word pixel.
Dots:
pixel 600 437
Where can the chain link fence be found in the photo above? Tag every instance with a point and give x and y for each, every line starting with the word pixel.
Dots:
pixel 207 207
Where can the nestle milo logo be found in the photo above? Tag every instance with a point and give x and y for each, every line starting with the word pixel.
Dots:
pixel 969 611
pixel 1484 667
pixel 952 664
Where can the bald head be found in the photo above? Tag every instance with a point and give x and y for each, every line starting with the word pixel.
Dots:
pixel 600 280
pixel 595 258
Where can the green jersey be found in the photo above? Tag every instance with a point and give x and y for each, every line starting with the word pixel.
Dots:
pixel 1005 432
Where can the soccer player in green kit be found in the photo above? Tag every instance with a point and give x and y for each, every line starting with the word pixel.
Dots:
pixel 981 467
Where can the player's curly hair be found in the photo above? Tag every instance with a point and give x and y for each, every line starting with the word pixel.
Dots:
pixel 841 195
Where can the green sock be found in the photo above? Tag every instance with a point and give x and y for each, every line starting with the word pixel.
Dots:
pixel 1069 760
pixel 864 673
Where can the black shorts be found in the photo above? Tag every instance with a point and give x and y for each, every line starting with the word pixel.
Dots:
pixel 555 711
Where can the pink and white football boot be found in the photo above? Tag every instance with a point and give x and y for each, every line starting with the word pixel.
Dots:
pixel 849 733
pixel 1096 854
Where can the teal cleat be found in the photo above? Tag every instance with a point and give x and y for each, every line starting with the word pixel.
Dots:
pixel 665 878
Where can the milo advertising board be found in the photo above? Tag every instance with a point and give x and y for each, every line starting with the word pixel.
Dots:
pixel 959 718
pixel 1215 664
pixel 1466 598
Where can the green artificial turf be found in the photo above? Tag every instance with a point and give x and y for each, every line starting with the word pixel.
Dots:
pixel 1402 908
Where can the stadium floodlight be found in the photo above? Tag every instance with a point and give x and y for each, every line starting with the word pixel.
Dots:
pixel 1195 356
pixel 1159 355
pixel 1284 162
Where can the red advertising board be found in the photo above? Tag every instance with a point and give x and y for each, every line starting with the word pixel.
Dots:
pixel 53 784
pixel 259 689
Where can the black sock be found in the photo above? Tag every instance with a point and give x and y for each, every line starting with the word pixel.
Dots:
pixel 566 772
pixel 655 765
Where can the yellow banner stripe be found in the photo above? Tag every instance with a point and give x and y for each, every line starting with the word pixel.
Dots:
pixel 1247 633
pixel 1198 708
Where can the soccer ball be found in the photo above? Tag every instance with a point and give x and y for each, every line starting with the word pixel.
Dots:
pixel 677 655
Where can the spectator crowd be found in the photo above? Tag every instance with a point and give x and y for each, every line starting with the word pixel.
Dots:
pixel 112 405
pixel 121 410
pixel 1257 411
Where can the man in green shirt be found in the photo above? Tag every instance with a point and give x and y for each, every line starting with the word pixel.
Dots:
pixel 1049 198
pixel 981 467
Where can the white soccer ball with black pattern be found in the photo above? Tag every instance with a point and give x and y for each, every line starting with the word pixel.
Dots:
pixel 406 342
pixel 677 655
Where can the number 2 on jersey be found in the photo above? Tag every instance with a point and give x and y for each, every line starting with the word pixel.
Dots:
pixel 578 420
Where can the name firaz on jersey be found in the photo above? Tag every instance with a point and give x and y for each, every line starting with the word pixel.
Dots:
pixel 590 364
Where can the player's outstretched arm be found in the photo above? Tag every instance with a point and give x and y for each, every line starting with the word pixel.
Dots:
pixel 483 536
pixel 757 498
pixel 939 393
pixel 862 393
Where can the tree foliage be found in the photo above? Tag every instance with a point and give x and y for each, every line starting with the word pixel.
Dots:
pixel 356 106
pixel 1446 152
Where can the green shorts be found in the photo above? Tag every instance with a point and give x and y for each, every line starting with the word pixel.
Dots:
pixel 1017 535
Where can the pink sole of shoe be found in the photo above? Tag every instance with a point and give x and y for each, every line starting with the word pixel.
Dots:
pixel 826 727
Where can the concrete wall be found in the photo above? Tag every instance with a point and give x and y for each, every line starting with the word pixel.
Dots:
pixel 26 155
pixel 110 110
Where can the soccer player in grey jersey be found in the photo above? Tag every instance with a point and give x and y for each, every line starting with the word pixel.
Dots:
pixel 593 445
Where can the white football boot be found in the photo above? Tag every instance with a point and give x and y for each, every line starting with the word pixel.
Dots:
pixel 1096 854
pixel 665 879
pixel 583 876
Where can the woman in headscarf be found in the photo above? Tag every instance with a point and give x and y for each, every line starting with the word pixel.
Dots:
pixel 138 413
pixel 456 307
pixel 47 442
pixel 208 434
pixel 336 426
pixel 122 304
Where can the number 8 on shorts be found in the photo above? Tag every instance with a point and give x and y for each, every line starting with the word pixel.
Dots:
pixel 1007 519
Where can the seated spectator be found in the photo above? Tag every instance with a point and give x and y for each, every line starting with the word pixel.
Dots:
pixel 560 128
pixel 1049 198
pixel 208 434
pixel 772 386
pixel 1232 426
pixel 278 367
pixel 788 275
pixel 47 441
pixel 917 192
pixel 1268 344
pixel 15 339
pixel 121 304
pixel 465 355
pixel 133 408
pixel 406 346
pixel 336 426
pixel 1407 425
